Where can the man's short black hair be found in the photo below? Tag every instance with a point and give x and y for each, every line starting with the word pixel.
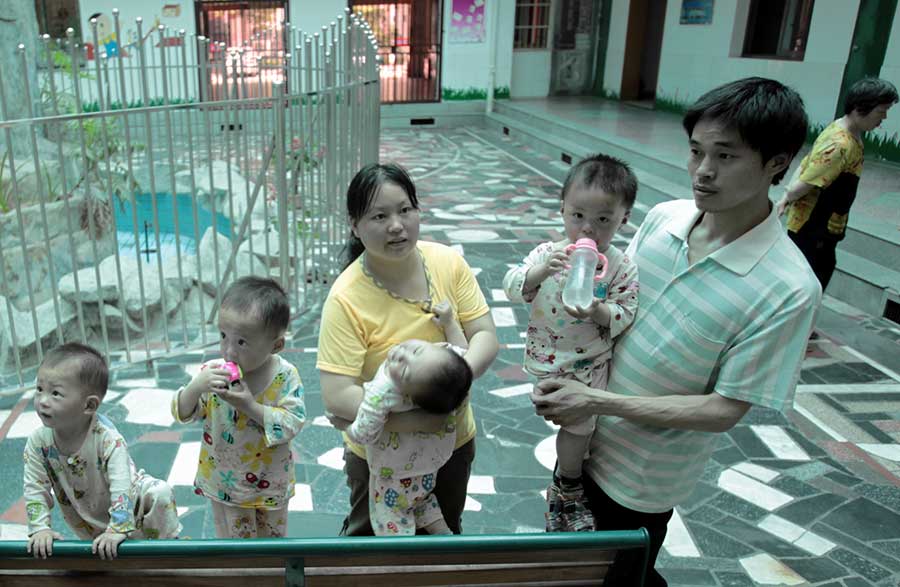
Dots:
pixel 867 93
pixel 611 175
pixel 261 297
pixel 93 373
pixel 449 386
pixel 768 115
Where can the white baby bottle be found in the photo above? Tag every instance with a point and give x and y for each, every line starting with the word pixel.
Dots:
pixel 583 259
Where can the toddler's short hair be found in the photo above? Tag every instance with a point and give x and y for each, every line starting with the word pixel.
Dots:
pixel 611 175
pixel 449 385
pixel 93 372
pixel 263 296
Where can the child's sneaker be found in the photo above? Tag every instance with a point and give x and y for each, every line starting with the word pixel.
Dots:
pixel 554 517
pixel 573 508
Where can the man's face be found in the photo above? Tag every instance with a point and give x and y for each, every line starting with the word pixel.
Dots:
pixel 726 173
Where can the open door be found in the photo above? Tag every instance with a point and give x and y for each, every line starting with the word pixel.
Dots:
pixel 574 42
pixel 643 47
pixel 409 42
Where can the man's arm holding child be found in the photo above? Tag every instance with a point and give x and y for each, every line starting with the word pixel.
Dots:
pixel 741 382
pixel 565 402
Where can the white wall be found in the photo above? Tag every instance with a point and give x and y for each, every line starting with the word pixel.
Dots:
pixel 530 73
pixel 466 65
pixel 890 71
pixel 697 58
pixel 615 48
pixel 311 15
pixel 150 12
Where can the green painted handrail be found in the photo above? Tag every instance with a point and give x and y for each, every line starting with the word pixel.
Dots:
pixel 294 547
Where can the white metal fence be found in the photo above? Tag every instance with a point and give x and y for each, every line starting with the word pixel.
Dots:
pixel 140 183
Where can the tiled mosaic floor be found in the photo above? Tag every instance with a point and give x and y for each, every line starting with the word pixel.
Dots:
pixel 810 499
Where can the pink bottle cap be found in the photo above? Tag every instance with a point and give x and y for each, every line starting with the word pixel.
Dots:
pixel 588 243
pixel 234 371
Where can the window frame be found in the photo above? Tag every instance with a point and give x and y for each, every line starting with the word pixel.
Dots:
pixel 531 27
pixel 754 10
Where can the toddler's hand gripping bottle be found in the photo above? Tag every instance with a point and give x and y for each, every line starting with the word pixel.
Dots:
pixel 579 288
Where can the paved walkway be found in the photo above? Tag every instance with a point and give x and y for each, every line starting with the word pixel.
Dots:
pixel 808 498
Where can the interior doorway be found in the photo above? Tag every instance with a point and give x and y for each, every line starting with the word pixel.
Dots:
pixel 643 47
pixel 409 42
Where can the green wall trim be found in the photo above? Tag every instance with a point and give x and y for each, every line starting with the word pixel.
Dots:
pixel 666 103
pixel 461 94
pixel 869 45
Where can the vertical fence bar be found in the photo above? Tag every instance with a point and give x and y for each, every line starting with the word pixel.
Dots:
pixel 16 194
pixel 86 168
pixel 42 196
pixel 278 98
pixel 145 99
pixel 170 145
pixel 206 73
pixel 195 216
pixel 54 101
pixel 246 116
pixel 129 148
pixel 101 107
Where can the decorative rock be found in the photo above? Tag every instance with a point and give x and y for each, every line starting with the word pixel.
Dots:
pixel 116 321
pixel 26 337
pixel 209 244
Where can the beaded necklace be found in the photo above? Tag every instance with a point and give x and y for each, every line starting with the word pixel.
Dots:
pixel 424 305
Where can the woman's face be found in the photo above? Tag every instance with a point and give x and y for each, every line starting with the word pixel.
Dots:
pixel 389 229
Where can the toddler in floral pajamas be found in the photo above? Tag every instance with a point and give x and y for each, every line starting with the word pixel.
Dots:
pixel 573 342
pixel 80 457
pixel 403 466
pixel 246 469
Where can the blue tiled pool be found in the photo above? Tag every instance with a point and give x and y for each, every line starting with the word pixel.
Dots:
pixel 167 205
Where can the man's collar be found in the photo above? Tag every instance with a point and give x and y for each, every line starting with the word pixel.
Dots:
pixel 740 255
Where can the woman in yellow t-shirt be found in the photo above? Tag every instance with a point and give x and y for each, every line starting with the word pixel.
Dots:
pixel 385 296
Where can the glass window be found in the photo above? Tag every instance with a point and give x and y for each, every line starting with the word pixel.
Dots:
pixel 778 28
pixel 532 24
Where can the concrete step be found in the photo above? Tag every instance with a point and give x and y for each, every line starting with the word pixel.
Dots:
pixel 865 238
pixel 654 188
pixel 868 270
pixel 865 284
pixel 633 152
pixel 433 115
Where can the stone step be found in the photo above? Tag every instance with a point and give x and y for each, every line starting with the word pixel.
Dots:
pixel 654 188
pixel 864 284
pixel 868 265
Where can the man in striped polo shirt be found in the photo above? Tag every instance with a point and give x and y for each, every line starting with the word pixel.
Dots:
pixel 727 303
